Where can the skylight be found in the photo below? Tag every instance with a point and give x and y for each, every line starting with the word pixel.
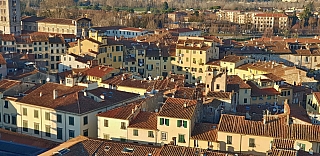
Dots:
pixel 128 150
pixel 107 148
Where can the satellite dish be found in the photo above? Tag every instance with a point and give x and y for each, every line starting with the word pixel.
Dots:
pixel 48 79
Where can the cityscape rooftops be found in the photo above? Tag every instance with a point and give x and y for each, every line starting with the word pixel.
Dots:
pixel 178 108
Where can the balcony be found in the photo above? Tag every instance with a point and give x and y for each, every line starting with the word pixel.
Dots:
pixel 140 64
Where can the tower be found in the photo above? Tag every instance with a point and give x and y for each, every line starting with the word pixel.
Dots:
pixel 10 17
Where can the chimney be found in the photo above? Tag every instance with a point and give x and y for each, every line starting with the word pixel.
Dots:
pixel 132 111
pixel 40 94
pixel 55 94
pixel 185 105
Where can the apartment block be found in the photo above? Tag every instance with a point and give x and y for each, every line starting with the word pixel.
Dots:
pixel 61 112
pixel 116 31
pixel 270 21
pixel 73 61
pixel 192 53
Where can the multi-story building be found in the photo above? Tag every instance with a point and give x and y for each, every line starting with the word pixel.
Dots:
pixel 10 17
pixel 73 61
pixel 192 53
pixel 176 121
pixel 100 73
pixel 62 112
pixel 270 21
pixel 111 53
pixel 176 17
pixel 116 31
pixel 82 46
pixel 3 67
pixel 79 27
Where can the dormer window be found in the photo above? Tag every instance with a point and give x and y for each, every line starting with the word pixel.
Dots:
pixel 128 150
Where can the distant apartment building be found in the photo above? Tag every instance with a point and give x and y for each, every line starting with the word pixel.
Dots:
pixel 176 17
pixel 79 27
pixel 116 31
pixel 185 32
pixel 72 61
pixel 270 21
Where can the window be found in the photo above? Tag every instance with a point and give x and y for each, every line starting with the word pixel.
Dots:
pixel 161 121
pixel 85 120
pixel 71 120
pixel 114 58
pixel 181 123
pixel 150 134
pixel 166 122
pixel 6 104
pixel 251 142
pixel 229 139
pixel 254 98
pixel 245 100
pixel 135 132
pixel 25 126
pixel 71 133
pixel 24 111
pixel 268 97
pixel 86 132
pixel 59 118
pixel 6 118
pixel 301 146
pixel 14 120
pixel 164 135
pixel 59 133
pixel 119 59
pixel 181 139
pixel 217 86
pixel 288 93
pixel 36 128
pixel 48 128
pixel 47 115
pixel 106 123
pixel 246 91
pixel 36 114
pixel 106 136
pixel 195 142
pixel 123 125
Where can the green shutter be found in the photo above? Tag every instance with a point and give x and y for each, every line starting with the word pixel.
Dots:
pixel 161 121
pixel 179 123
pixel 167 122
pixel 185 124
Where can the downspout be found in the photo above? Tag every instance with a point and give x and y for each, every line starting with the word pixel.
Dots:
pixel 240 142
pixel 65 126
pixel 40 123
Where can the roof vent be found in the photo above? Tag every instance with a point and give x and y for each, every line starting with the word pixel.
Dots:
pixel 40 94
pixel 107 148
pixel 185 105
pixel 102 96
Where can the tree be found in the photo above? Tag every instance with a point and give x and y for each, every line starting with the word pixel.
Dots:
pixel 165 6
pixel 215 8
pixel 131 10
pixel 96 7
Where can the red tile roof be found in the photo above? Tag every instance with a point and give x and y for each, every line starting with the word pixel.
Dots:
pixel 274 77
pixel 26 139
pixel 235 79
pixel 123 112
pixel 99 71
pixel 271 15
pixel 69 99
pixel 145 120
pixel 7 37
pixel 273 128
pixel 174 108
pixel 6 84
pixel 219 95
pixel 283 143
pixel 205 131
pixel 256 91
pixel 2 60
pixel 58 21
pixel 232 58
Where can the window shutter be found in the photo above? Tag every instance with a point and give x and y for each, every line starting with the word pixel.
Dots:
pixel 161 121
pixel 167 122
pixel 185 124
pixel 179 123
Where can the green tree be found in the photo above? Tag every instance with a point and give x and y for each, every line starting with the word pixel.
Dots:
pixel 196 13
pixel 96 7
pixel 116 9
pixel 165 6
pixel 131 10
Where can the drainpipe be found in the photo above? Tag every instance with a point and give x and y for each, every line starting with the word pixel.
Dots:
pixel 240 142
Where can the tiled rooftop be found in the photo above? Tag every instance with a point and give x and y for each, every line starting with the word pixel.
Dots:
pixel 232 58
pixel 144 120
pixel 174 107
pixel 205 131
pixel 99 71
pixel 274 128
pixel 6 84
pixel 122 112
pixel 219 95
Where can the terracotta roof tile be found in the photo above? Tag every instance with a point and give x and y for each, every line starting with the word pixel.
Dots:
pixel 185 93
pixel 273 77
pixel 232 58
pixel 99 71
pixel 57 21
pixel 174 107
pixel 283 143
pixel 236 80
pixel 271 15
pixel 69 99
pixel 6 84
pixel 7 37
pixel 26 139
pixel 275 128
pixel 145 120
pixel 2 60
pixel 205 131
pixel 123 112
pixel 255 91
pixel 219 95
